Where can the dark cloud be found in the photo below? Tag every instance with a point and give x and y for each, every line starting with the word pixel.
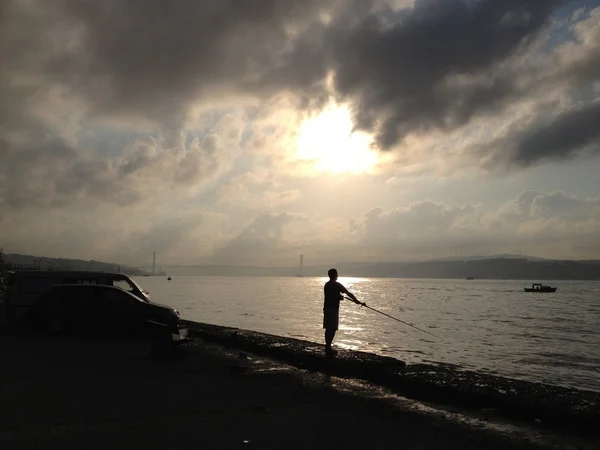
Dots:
pixel 565 135
pixel 433 66
pixel 154 58
pixel 555 134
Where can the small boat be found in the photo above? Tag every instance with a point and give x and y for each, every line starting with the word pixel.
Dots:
pixel 469 278
pixel 169 279
pixel 537 287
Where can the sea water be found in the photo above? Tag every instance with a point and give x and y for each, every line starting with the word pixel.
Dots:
pixel 488 326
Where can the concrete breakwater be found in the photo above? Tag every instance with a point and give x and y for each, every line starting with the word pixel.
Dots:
pixel 542 404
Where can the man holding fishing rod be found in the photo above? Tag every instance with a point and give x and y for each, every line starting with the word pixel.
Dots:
pixel 331 308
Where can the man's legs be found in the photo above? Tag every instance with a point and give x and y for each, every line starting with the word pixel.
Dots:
pixel 329 335
pixel 330 323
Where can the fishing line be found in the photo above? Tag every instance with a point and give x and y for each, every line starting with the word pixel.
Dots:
pixel 394 318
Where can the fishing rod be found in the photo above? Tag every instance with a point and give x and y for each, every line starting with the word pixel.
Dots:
pixel 392 317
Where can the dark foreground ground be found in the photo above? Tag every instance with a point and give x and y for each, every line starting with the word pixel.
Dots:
pixel 91 392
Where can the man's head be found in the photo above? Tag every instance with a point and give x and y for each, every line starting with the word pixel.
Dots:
pixel 332 274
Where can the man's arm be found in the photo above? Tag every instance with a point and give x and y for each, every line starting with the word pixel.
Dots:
pixel 351 295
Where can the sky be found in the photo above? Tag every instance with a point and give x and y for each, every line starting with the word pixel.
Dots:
pixel 249 133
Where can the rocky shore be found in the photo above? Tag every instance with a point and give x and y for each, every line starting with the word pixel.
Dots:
pixel 544 405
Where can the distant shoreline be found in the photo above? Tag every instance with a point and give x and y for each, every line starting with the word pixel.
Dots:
pixel 493 268
pixel 526 280
pixel 484 269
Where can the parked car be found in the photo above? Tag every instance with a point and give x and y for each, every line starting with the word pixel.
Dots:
pixel 23 288
pixel 104 308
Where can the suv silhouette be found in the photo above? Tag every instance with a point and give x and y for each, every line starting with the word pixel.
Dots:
pixel 105 308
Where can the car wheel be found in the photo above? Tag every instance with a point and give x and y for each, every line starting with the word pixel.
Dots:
pixel 56 325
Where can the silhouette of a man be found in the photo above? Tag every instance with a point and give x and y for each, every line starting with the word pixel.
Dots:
pixel 331 308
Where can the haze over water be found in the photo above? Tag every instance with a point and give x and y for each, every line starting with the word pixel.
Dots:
pixel 490 326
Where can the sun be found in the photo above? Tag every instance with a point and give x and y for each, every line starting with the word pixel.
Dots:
pixel 327 140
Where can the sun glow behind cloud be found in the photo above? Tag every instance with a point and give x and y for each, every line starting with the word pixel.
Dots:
pixel 328 141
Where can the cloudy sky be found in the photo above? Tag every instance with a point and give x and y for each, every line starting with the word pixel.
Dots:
pixel 250 132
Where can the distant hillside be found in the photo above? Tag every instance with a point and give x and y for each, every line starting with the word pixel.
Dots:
pixel 482 257
pixel 16 261
pixel 497 268
pixel 511 267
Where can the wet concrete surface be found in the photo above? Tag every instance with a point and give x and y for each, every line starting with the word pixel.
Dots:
pixel 540 405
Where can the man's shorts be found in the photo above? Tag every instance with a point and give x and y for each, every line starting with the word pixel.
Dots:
pixel 331 318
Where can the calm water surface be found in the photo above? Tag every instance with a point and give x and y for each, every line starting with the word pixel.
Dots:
pixel 490 326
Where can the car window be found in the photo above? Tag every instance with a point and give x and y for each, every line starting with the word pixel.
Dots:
pixel 124 284
pixel 116 300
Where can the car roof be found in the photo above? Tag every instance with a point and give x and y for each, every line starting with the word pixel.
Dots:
pixel 86 285
pixel 89 286
pixel 65 272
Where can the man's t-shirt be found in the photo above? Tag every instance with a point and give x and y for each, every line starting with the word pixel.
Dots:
pixel 333 291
